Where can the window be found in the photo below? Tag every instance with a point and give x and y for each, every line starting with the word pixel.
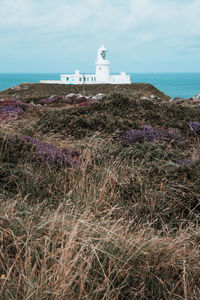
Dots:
pixel 91 78
pixel 88 79
pixel 99 68
pixel 103 54
pixel 84 79
pixel 80 78
pixel 67 78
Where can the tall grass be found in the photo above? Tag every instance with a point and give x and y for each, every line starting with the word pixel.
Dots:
pixel 123 225
pixel 59 255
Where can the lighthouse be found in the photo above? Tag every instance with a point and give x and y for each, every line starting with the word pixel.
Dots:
pixel 102 74
pixel 102 66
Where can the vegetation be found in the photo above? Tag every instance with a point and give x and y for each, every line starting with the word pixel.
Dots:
pixel 116 113
pixel 115 216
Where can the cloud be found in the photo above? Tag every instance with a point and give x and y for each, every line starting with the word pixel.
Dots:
pixel 129 26
pixel 155 18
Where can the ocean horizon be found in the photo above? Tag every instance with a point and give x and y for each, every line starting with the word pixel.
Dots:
pixel 184 85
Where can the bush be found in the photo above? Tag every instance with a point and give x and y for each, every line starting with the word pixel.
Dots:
pixel 11 109
pixel 116 113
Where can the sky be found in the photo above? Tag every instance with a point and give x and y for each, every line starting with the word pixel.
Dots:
pixel 63 36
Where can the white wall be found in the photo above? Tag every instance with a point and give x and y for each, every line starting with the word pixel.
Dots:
pixel 102 73
pixel 120 79
pixel 90 79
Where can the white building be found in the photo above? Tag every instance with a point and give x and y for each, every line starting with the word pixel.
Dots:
pixel 102 74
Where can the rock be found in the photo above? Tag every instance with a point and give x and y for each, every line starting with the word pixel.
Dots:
pixel 174 99
pixel 79 96
pixel 196 98
pixel 100 96
pixel 144 98
pixel 177 100
pixel 70 95
pixel 153 97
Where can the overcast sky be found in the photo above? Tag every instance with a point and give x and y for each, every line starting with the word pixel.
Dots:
pixel 61 36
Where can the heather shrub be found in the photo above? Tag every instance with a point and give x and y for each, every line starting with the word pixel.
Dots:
pixel 51 154
pixel 11 109
pixel 179 116
pixel 52 99
pixel 148 133
pixel 76 100
pixel 11 154
pixel 25 171
pixel 23 158
pixel 12 150
pixel 185 162
pixel 84 103
pixel 194 127
pixel 16 147
pixel 116 113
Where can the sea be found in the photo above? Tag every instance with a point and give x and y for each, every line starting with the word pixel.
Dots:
pixel 183 85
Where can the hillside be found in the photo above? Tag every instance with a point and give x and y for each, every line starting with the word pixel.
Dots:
pixel 36 91
pixel 100 194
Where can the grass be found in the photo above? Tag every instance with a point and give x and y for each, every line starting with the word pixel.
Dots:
pixel 59 255
pixel 122 225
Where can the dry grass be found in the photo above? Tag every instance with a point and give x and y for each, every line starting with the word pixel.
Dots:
pixel 56 255
pixel 100 236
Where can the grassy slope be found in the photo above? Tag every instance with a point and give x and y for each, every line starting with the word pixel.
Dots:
pixel 36 91
pixel 123 225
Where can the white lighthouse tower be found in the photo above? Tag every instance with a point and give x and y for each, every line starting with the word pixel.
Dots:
pixel 102 66
pixel 102 74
